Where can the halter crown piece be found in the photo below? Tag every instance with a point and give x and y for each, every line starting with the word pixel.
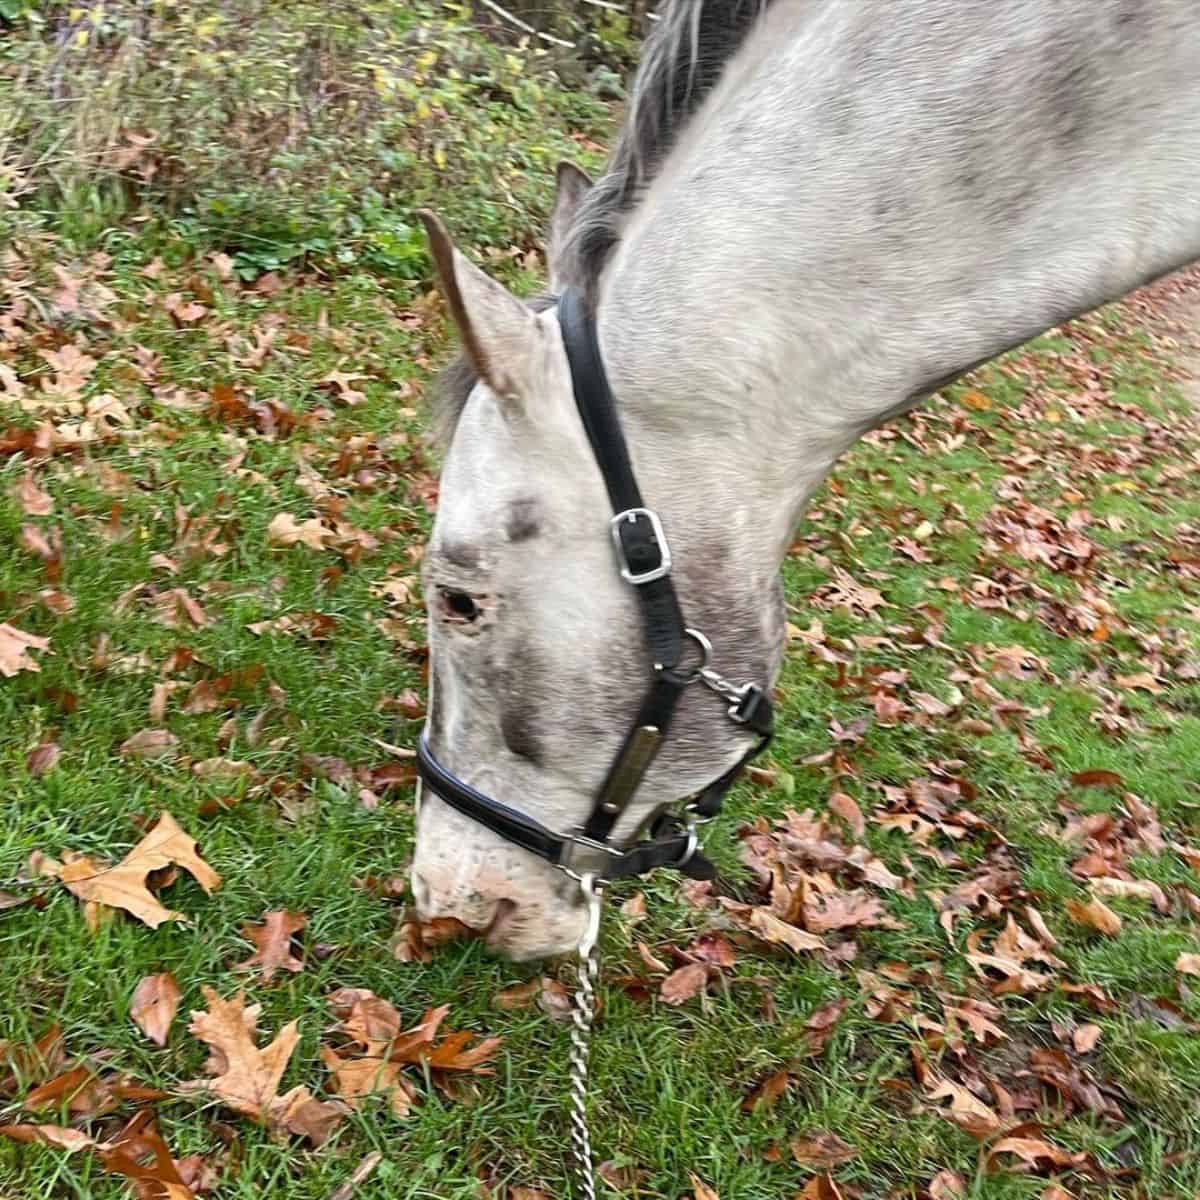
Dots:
pixel 644 559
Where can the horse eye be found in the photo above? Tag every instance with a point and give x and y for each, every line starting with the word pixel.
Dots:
pixel 457 606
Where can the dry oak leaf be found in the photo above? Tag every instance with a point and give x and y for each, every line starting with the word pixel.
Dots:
pixel 682 984
pixel 1096 914
pixel 354 1078
pixel 70 1140
pixel 150 743
pixel 124 886
pixel 947 1185
pixel 15 645
pixel 285 530
pixel 700 1189
pixel 820 1187
pixel 33 500
pixel 1188 964
pixel 153 1006
pixel 246 1078
pixel 274 941
pixel 821 1149
pixel 965 1109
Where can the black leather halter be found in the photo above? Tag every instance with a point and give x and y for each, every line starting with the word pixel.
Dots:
pixel 644 560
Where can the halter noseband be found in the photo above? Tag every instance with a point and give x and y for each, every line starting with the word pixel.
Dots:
pixel 644 560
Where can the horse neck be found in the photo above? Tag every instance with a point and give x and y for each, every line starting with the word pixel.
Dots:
pixel 874 199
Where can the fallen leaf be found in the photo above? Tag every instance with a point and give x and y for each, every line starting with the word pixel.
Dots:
pixel 1085 1037
pixel 357 1078
pixel 124 886
pixel 820 1187
pixel 1145 680
pixel 15 645
pixel 947 1185
pixel 274 941
pixel 1096 914
pixel 153 1006
pixel 150 743
pixel 1188 964
pixel 965 1108
pixel 682 984
pixel 71 1140
pixel 1141 889
pixel 42 758
pixel 821 1149
pixel 33 500
pixel 768 1092
pixel 285 530
pixel 771 929
pixel 246 1078
pixel 844 806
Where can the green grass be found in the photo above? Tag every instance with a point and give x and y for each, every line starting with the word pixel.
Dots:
pixel 668 1083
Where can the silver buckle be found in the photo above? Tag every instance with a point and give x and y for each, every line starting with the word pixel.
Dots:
pixel 584 856
pixel 664 567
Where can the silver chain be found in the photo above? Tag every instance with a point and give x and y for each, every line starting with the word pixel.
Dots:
pixel 581 1032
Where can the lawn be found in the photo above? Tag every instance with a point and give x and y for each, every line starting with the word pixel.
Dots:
pixel 979 822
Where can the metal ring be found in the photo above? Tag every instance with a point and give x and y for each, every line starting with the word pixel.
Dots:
pixel 705 647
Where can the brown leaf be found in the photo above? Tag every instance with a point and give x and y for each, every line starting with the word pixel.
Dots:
pixel 367 1019
pixel 820 1025
pixel 15 645
pixel 820 1187
pixel 1085 1037
pixel 274 941
pixel 519 995
pixel 1096 914
pixel 1145 680
pixel 1188 964
pixel 150 743
pixel 965 1108
pixel 770 928
pixel 844 806
pixel 947 1185
pixel 1141 889
pixel 767 1092
pixel 821 1149
pixel 682 984
pixel 42 758
pixel 285 530
pixel 1097 778
pixel 356 1078
pixel 701 1190
pixel 124 886
pixel 71 1140
pixel 246 1078
pixel 160 1179
pixel 33 500
pixel 1036 1152
pixel 152 1008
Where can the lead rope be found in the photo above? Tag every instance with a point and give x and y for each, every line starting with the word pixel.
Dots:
pixel 581 1032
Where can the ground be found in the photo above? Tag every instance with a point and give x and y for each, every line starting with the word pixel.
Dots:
pixel 955 949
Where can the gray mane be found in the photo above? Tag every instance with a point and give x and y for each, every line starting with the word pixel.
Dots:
pixel 682 59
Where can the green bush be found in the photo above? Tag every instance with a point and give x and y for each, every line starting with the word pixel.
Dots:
pixel 281 129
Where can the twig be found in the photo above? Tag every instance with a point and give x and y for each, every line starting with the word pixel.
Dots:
pixel 512 19
pixel 364 1168
pixel 618 8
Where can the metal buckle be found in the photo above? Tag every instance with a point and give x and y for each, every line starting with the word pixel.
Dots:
pixel 584 856
pixel 633 515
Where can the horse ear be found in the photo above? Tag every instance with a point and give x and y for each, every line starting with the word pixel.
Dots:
pixel 498 331
pixel 572 186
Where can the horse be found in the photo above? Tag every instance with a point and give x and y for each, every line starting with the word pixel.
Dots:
pixel 816 214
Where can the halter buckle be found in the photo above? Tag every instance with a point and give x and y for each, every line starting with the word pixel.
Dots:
pixel 624 526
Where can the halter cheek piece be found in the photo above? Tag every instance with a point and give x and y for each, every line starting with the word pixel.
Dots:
pixel 644 560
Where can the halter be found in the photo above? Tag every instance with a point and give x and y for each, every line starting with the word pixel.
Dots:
pixel 644 559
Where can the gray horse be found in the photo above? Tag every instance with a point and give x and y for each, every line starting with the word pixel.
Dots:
pixel 817 212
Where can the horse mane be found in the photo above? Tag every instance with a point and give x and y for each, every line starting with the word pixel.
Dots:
pixel 682 60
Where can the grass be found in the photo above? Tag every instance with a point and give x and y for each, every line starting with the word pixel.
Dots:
pixel 200 488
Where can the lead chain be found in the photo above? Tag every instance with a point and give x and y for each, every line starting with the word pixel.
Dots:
pixel 583 1016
